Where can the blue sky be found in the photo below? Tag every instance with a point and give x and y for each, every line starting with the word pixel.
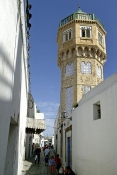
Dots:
pixel 45 74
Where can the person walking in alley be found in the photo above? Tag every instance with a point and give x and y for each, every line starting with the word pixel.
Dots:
pixel 37 155
pixel 51 151
pixel 33 147
pixel 46 151
pixel 51 164
pixel 46 160
pixel 58 162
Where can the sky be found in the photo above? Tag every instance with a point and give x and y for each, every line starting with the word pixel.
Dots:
pixel 45 74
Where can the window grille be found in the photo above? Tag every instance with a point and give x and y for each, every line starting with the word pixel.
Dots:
pixel 86 68
pixel 70 69
pixel 99 72
pixel 85 89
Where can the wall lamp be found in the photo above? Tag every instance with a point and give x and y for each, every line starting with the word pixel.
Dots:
pixel 64 115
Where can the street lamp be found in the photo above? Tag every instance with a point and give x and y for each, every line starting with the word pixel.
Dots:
pixel 64 115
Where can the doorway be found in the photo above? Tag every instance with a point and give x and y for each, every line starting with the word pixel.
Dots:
pixel 68 151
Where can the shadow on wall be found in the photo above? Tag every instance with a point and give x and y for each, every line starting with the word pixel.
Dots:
pixel 10 106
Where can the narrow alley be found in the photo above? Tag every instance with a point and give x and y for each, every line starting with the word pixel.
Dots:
pixel 30 168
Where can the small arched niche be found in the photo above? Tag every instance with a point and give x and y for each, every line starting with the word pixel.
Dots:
pixel 67 54
pixel 73 52
pixel 80 51
pixel 92 52
pixel 86 52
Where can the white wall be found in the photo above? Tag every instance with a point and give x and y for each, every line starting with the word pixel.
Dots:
pixel 56 132
pixel 94 142
pixel 13 91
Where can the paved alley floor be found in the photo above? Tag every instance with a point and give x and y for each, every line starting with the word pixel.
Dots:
pixel 30 168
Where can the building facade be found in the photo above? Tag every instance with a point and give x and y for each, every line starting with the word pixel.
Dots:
pixel 14 86
pixel 81 57
pixel 35 125
pixel 94 132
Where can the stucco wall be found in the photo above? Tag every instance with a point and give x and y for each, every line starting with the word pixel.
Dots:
pixel 13 92
pixel 94 142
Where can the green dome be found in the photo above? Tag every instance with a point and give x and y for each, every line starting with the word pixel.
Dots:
pixel 80 11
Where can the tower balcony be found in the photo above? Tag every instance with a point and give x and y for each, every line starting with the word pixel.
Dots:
pixel 80 17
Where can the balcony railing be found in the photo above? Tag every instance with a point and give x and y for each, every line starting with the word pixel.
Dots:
pixel 80 17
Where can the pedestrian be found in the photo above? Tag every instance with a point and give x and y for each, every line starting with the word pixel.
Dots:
pixel 58 163
pixel 51 164
pixel 46 151
pixel 33 146
pixel 46 160
pixel 51 151
pixel 37 154
pixel 68 171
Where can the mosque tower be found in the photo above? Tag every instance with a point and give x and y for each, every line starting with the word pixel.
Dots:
pixel 81 56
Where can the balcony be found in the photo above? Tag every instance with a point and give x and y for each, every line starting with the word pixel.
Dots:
pixel 80 16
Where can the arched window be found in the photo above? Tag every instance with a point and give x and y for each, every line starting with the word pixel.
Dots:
pixel 99 72
pixel 100 38
pixel 86 68
pixel 86 31
pixel 83 33
pixel 67 34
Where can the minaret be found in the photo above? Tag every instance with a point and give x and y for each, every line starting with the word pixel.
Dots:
pixel 81 56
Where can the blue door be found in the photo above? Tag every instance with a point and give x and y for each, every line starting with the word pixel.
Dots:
pixel 68 151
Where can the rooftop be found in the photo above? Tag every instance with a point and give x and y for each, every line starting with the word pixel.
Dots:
pixel 80 15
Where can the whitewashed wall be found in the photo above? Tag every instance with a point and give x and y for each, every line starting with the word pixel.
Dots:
pixel 56 132
pixel 94 142
pixel 13 91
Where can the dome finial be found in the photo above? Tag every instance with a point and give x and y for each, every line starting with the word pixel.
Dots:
pixel 79 6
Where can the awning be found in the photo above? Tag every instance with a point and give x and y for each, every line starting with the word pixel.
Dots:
pixel 35 126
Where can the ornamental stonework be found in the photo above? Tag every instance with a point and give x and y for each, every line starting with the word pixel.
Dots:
pixel 88 80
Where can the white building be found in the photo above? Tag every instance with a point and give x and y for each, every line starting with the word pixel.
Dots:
pixel 34 128
pixel 13 86
pixel 63 133
pixel 94 131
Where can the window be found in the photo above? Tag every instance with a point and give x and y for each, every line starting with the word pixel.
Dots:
pixel 85 89
pixel 100 38
pixel 99 71
pixel 68 100
pixel 67 35
pixel 86 68
pixel 96 111
pixel 69 69
pixel 86 31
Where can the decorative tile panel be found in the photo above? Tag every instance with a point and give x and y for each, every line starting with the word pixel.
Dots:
pixel 86 68
pixel 68 100
pixel 70 69
pixel 85 89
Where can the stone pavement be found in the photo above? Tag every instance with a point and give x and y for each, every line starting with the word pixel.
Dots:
pixel 30 168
